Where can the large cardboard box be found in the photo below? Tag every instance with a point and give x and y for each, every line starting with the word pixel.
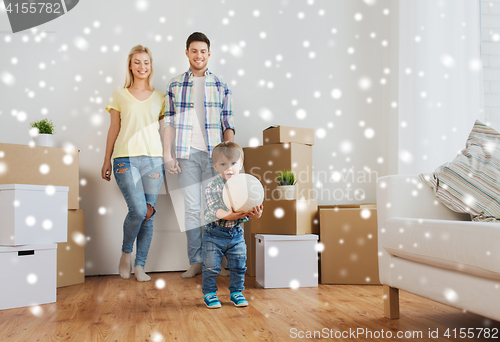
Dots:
pixel 250 241
pixel 71 254
pixel 22 164
pixel 349 236
pixel 283 134
pixel 28 275
pixel 286 260
pixel 264 162
pixel 287 217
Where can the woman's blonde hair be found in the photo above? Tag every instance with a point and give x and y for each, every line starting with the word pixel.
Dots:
pixel 129 79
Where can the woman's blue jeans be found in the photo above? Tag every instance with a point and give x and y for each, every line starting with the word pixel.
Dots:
pixel 139 179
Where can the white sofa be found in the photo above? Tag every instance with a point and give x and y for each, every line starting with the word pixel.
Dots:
pixel 429 250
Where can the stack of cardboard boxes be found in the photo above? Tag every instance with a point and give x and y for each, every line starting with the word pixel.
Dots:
pixel 284 148
pixel 57 167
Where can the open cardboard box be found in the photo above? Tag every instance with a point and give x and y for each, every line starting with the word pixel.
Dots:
pixel 264 162
pixel 349 236
pixel 41 166
pixel 284 134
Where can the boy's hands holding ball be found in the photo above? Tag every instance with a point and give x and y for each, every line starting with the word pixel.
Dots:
pixel 256 212
pixel 230 215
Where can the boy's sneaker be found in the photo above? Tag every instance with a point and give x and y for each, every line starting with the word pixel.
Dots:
pixel 238 299
pixel 211 300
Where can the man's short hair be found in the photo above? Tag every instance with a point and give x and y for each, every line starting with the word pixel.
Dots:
pixel 228 149
pixel 197 37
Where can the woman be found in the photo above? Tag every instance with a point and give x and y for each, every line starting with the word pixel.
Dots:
pixel 134 142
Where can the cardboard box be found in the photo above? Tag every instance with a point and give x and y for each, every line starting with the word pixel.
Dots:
pixel 264 162
pixel 284 217
pixel 286 260
pixel 349 236
pixel 28 275
pixel 250 241
pixel 41 166
pixel 33 214
pixel 71 254
pixel 283 134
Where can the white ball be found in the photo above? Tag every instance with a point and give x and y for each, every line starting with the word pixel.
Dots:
pixel 243 192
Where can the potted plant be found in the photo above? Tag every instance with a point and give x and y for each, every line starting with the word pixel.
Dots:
pixel 42 132
pixel 286 185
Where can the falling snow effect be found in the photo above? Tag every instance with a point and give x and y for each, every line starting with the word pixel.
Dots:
pixel 279 213
pixel 301 114
pixel 8 78
pixel 336 94
pixel 32 278
pixel 253 142
pixel 365 213
pixel 160 284
pixel 273 252
pixel 266 114
pixel 269 86
pixel 78 238
pixel 451 295
pixel 81 43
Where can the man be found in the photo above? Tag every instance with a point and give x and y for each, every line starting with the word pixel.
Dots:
pixel 198 116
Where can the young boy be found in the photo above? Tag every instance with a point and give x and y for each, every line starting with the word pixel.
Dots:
pixel 223 235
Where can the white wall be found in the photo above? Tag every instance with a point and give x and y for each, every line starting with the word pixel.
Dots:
pixel 281 63
pixel 490 27
pixel 440 81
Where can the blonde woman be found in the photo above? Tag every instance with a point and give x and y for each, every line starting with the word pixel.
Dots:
pixel 134 141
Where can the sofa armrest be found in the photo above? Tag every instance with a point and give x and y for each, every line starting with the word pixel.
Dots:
pixel 405 196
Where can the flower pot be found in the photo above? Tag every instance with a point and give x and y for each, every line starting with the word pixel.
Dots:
pixel 286 192
pixel 43 140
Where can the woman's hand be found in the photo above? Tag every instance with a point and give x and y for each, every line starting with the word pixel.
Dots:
pixel 171 166
pixel 114 129
pixel 106 170
pixel 256 212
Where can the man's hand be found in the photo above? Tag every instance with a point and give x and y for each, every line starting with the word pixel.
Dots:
pixel 171 166
pixel 256 212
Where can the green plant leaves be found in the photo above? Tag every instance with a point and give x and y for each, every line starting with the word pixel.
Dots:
pixel 286 177
pixel 44 126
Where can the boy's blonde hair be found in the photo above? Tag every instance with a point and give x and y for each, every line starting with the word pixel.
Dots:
pixel 228 149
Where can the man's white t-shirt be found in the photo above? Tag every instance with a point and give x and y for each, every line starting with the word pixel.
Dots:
pixel 199 134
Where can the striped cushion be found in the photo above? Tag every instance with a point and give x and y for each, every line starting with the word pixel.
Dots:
pixel 471 182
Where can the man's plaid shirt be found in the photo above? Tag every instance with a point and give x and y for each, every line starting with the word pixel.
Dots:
pixel 214 201
pixel 179 111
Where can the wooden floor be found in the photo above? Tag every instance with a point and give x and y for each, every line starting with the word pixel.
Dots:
pixel 108 308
